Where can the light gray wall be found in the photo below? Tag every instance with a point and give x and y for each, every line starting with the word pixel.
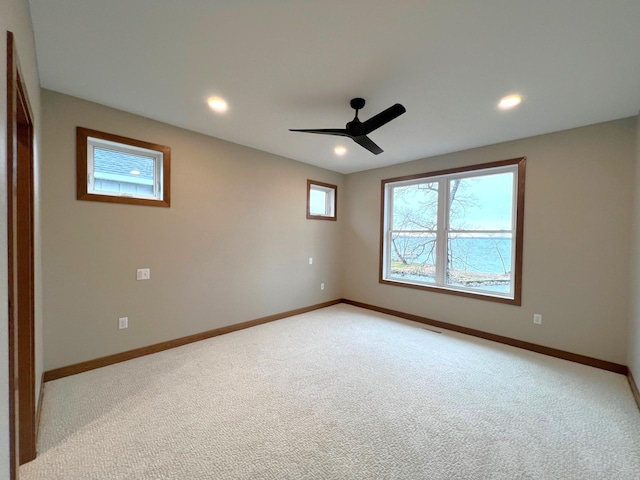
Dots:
pixel 579 189
pixel 234 246
pixel 15 17
pixel 634 318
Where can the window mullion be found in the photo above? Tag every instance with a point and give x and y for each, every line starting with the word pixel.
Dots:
pixel 388 218
pixel 441 241
pixel 514 236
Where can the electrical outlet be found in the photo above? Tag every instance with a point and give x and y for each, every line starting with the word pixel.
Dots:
pixel 123 322
pixel 322 286
pixel 537 319
pixel 143 274
pixel 310 261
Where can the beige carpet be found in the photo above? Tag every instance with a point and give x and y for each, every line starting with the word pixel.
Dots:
pixel 339 393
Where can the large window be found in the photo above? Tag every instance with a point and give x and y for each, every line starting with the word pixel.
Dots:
pixel 456 231
pixel 122 170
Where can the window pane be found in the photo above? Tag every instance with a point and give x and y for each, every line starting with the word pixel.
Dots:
pixel 481 261
pixel 321 200
pixel 318 202
pixel 469 214
pixel 120 172
pixel 481 203
pixel 413 256
pixel 415 207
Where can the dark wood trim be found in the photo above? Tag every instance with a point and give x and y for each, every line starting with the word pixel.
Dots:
pixel 39 407
pixel 11 148
pixel 81 169
pixel 335 201
pixel 159 347
pixel 21 270
pixel 457 293
pixel 634 387
pixel 178 342
pixel 519 240
pixel 553 352
pixel 451 171
pixel 26 278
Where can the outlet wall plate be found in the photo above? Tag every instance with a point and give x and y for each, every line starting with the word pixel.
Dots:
pixel 143 274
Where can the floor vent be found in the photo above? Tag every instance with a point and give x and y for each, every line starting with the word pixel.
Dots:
pixel 430 329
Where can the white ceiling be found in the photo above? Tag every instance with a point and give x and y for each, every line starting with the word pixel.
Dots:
pixel 296 64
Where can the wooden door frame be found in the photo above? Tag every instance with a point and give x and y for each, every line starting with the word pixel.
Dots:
pixel 21 281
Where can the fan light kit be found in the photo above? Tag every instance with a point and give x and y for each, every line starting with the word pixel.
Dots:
pixel 357 130
pixel 340 150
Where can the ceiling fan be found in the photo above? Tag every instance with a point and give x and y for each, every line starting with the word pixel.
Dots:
pixel 357 130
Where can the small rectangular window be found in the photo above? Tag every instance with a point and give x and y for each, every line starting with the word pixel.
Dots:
pixel 456 231
pixel 122 170
pixel 321 200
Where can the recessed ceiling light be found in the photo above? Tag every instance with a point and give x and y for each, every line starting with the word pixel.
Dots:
pixel 135 172
pixel 340 150
pixel 218 104
pixel 509 101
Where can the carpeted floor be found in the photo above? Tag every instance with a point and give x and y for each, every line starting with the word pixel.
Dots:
pixel 339 393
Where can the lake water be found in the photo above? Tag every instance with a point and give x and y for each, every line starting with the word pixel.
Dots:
pixel 474 256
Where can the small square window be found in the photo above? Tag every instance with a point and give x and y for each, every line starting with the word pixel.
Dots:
pixel 321 200
pixel 122 170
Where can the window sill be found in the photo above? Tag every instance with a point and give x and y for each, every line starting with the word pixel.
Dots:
pixel 517 301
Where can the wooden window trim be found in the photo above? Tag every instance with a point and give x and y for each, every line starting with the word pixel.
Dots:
pixel 333 217
pixel 517 288
pixel 82 135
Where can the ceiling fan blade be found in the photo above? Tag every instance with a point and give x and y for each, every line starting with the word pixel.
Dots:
pixel 341 132
pixel 357 130
pixel 367 143
pixel 365 128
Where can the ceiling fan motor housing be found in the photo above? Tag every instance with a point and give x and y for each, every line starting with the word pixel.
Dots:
pixel 357 103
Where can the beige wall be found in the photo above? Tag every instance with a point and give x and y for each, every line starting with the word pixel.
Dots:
pixel 234 246
pixel 634 318
pixel 235 243
pixel 579 188
pixel 15 17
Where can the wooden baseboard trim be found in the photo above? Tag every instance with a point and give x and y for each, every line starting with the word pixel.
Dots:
pixel 159 347
pixel 39 408
pixel 553 352
pixel 178 342
pixel 634 388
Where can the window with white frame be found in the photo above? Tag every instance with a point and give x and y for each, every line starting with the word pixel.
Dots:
pixel 321 200
pixel 456 231
pixel 117 169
